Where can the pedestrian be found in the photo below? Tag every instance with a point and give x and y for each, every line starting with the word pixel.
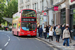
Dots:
pixel 62 28
pixel 54 30
pixel 44 31
pixel 40 31
pixel 51 30
pixel 70 32
pixel 54 27
pixel 66 36
pixel 58 33
pixel 49 26
pixel 47 30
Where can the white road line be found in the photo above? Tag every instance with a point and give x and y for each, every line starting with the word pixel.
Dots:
pixel 18 38
pixel 55 49
pixel 8 39
pixel 6 44
pixel 0 49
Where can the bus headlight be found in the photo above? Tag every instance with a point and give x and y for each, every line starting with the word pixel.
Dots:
pixel 33 31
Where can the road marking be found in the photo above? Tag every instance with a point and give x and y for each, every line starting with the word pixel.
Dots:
pixel 55 49
pixel 8 39
pixel 38 39
pixel 6 44
pixel 0 49
pixel 18 38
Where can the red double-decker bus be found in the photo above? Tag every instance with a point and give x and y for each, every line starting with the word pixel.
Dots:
pixel 24 23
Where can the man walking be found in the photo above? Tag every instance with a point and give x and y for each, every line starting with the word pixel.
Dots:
pixel 58 33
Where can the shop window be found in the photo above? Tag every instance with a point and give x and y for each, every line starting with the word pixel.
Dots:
pixel 63 16
pixel 14 25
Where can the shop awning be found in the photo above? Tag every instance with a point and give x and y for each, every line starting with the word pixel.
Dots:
pixel 8 20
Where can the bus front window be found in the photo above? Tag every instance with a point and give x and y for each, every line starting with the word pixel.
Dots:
pixel 27 26
pixel 28 13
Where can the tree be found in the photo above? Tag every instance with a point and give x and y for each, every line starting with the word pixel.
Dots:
pixel 2 3
pixel 10 8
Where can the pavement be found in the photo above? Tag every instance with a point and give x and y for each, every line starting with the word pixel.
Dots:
pixel 60 44
pixel 10 42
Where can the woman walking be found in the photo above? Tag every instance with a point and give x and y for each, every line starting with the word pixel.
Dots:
pixel 51 30
pixel 66 36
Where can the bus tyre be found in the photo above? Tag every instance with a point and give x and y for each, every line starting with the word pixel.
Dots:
pixel 13 33
pixel 17 34
pixel 35 36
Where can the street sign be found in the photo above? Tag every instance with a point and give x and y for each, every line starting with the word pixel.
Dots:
pixel 55 8
pixel 45 13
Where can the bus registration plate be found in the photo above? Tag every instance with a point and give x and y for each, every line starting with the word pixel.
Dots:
pixel 28 35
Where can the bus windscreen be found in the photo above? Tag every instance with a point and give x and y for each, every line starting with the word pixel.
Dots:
pixel 28 13
pixel 28 26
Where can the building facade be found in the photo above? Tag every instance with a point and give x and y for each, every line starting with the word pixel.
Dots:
pixel 65 14
pixel 41 7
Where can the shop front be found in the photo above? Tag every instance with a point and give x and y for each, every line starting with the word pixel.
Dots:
pixel 63 16
pixel 72 16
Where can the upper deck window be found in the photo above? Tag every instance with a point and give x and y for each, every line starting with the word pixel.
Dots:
pixel 28 13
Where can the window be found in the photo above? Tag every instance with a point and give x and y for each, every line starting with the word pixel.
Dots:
pixel 27 6
pixel 21 1
pixel 35 6
pixel 27 0
pixel 28 13
pixel 63 16
pixel 42 5
pixel 14 26
pixel 21 8
pixel 28 26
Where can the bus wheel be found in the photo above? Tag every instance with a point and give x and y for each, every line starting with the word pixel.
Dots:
pixel 13 33
pixel 17 34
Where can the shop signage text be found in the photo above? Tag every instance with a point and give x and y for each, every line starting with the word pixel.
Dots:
pixel 55 8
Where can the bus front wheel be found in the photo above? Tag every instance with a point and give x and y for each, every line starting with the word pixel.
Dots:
pixel 17 34
pixel 13 33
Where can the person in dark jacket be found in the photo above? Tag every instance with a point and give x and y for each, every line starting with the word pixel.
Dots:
pixel 47 30
pixel 62 28
pixel 40 31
